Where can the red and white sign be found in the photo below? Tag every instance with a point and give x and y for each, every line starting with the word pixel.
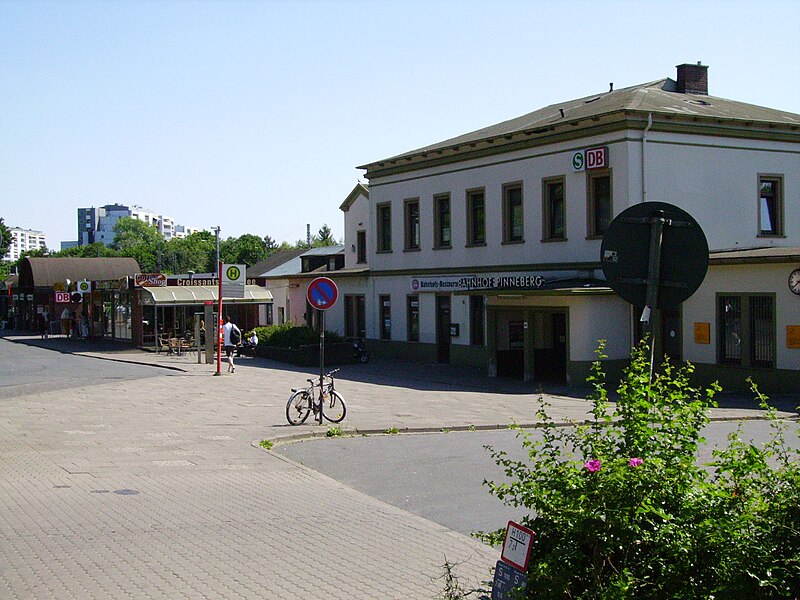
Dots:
pixel 597 158
pixel 322 293
pixel 62 298
pixel 517 546
pixel 150 280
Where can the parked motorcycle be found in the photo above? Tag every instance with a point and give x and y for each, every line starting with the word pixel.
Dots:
pixel 360 351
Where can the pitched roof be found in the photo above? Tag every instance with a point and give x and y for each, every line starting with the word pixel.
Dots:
pixel 361 189
pixel 324 251
pixel 658 98
pixel 44 272
pixel 273 261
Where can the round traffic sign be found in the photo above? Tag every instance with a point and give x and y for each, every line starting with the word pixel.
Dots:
pixel 322 293
pixel 625 254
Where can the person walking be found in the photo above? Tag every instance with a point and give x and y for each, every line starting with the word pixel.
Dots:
pixel 231 336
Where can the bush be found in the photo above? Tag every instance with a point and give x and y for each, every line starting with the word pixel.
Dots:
pixel 620 508
pixel 290 336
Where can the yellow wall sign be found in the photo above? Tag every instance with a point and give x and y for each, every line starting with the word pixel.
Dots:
pixel 702 333
pixel 793 336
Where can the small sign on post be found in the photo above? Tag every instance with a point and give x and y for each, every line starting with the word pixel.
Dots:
pixel 322 294
pixel 509 573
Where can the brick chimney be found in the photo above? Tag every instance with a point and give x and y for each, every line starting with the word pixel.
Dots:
pixel 693 79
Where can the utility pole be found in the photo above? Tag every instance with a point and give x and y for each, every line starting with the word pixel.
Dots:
pixel 308 234
pixel 219 309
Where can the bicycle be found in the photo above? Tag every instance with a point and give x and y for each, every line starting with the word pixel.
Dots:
pixel 328 401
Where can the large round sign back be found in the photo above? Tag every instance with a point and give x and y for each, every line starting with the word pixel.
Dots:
pixel 322 293
pixel 625 254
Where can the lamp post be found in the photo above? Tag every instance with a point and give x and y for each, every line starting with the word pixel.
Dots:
pixel 219 307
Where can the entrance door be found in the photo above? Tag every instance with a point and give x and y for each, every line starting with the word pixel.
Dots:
pixel 550 347
pixel 443 329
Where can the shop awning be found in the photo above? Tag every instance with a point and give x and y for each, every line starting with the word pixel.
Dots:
pixel 198 294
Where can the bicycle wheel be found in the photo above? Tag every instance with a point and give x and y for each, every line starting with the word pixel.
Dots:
pixel 335 409
pixel 298 407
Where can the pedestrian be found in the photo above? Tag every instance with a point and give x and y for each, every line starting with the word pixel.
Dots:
pixel 231 336
pixel 43 325
pixel 66 320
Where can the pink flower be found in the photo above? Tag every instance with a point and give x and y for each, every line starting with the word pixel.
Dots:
pixel 593 466
pixel 635 462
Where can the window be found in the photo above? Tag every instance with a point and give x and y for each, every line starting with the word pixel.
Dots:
pixel 412 224
pixel 386 317
pixel 476 329
pixel 441 219
pixel 770 205
pixel 361 246
pixel 354 317
pixel 599 202
pixel 384 228
pixel 513 214
pixel 553 210
pixel 413 318
pixel 746 327
pixel 476 218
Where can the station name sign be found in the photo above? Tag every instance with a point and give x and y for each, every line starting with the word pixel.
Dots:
pixel 477 282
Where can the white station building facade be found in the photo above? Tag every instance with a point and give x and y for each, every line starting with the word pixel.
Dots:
pixel 484 250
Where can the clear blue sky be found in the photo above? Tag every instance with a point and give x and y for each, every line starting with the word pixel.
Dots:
pixel 254 115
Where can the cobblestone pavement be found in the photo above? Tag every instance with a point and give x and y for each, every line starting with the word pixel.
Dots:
pixel 157 488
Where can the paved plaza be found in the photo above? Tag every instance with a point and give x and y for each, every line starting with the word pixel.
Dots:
pixel 157 487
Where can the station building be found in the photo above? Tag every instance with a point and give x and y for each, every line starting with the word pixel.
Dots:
pixel 484 250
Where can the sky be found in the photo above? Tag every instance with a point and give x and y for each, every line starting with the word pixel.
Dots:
pixel 254 116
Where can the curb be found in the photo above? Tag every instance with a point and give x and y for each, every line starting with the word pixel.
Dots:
pixel 355 432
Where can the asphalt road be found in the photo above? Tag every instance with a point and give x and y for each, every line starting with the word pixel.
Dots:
pixel 440 476
pixel 31 370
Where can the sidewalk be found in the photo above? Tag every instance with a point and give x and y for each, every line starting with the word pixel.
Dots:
pixel 157 488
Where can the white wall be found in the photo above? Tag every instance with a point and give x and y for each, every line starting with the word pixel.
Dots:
pixel 769 278
pixel 356 218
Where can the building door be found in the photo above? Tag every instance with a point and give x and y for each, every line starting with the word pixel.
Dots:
pixel 550 347
pixel 443 329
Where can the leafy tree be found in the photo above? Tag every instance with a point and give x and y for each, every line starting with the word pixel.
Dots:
pixel 246 249
pixel 5 234
pixel 93 250
pixel 196 253
pixel 130 232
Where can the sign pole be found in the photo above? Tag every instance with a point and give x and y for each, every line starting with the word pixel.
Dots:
pixel 321 358
pixel 219 319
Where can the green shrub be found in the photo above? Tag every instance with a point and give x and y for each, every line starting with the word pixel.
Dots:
pixel 621 509
pixel 290 336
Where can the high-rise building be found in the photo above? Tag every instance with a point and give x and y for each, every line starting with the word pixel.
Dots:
pixel 97 224
pixel 24 240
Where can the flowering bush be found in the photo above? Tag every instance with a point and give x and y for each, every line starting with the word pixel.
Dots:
pixel 621 509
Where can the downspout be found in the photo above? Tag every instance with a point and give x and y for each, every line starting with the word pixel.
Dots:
pixel 644 156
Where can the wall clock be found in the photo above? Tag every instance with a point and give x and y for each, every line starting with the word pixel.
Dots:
pixel 794 281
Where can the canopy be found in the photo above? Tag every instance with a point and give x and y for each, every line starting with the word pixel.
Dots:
pixel 198 294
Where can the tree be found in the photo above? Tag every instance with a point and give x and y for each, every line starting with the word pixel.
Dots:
pixel 324 237
pixel 5 235
pixel 195 253
pixel 130 232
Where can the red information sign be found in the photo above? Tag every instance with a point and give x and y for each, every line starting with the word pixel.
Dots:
pixel 322 293
pixel 517 546
pixel 62 298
